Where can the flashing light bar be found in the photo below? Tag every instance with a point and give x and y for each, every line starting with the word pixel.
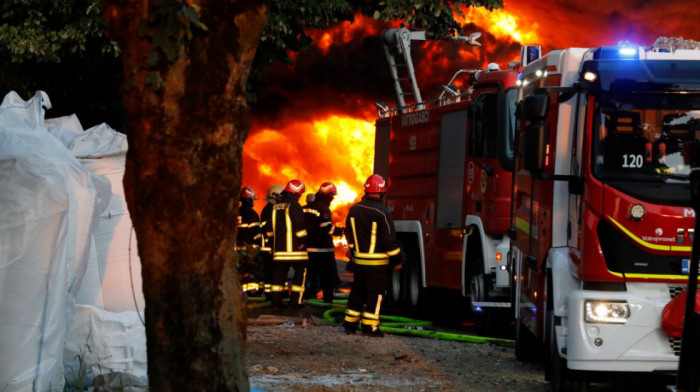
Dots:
pixel 616 52
pixel 628 52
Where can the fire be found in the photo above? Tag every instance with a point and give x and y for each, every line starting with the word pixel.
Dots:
pixel 345 32
pixel 503 25
pixel 316 137
pixel 339 149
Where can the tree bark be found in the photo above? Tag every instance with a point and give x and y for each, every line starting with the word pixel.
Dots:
pixel 182 182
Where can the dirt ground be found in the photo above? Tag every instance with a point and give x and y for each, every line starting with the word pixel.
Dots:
pixel 319 356
pixel 296 350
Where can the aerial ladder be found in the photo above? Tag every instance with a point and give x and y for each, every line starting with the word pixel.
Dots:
pixel 397 47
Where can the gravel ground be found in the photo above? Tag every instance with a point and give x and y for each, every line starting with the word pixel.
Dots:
pixel 321 357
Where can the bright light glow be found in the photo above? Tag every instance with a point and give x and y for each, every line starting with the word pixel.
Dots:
pixel 590 76
pixel 628 52
pixel 538 73
pixel 607 312
pixel 335 148
pixel 503 24
pixel 499 256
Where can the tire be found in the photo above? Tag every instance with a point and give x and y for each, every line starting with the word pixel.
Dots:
pixel 477 293
pixel 527 348
pixel 395 286
pixel 562 379
pixel 393 291
pixel 415 292
pixel 487 321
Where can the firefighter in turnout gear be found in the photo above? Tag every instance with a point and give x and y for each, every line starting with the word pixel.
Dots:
pixel 273 196
pixel 321 230
pixel 289 245
pixel 248 241
pixel 371 236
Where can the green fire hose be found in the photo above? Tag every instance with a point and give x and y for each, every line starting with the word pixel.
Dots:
pixel 407 326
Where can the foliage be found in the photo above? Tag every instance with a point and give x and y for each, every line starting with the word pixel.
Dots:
pixel 285 29
pixel 170 26
pixel 59 46
pixel 436 15
pixel 47 31
pixel 78 380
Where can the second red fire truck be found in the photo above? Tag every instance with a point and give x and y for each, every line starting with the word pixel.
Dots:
pixel 448 163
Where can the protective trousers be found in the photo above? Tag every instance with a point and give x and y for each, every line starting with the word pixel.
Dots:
pixel 280 271
pixel 321 267
pixel 266 257
pixel 364 302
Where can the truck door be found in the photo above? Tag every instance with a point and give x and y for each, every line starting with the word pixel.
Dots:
pixel 576 194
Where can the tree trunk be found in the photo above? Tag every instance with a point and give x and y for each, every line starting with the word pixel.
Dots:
pixel 182 181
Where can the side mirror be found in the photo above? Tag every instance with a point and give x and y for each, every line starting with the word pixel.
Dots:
pixel 535 107
pixel 476 136
pixel 535 143
pixel 534 110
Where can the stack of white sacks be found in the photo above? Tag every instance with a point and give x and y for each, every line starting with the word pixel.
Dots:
pixel 71 301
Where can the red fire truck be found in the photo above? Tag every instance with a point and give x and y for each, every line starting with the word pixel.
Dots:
pixel 448 163
pixel 602 217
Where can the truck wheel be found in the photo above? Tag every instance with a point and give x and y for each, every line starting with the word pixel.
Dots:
pixel 416 294
pixel 393 292
pixel 562 379
pixel 396 286
pixel 485 319
pixel 477 293
pixel 526 345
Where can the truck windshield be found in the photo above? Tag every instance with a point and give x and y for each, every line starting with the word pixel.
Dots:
pixel 640 141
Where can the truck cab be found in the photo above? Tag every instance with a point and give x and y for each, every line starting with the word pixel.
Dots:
pixel 602 217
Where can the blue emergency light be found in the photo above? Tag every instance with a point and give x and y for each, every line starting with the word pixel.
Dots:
pixel 615 53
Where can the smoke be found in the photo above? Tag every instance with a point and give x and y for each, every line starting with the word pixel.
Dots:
pixel 334 84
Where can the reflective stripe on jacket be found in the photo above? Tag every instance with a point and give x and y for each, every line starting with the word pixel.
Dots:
pixel 370 232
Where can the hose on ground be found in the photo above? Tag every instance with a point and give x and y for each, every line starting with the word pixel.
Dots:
pixel 402 326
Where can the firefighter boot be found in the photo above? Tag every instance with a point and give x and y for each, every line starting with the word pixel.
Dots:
pixel 350 328
pixel 372 331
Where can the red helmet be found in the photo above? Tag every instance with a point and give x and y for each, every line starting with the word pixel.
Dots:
pixel 295 187
pixel 248 193
pixel 375 184
pixel 327 188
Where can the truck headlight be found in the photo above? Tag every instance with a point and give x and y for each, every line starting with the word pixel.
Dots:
pixel 607 312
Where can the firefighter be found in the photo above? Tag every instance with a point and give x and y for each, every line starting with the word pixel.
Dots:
pixel 321 230
pixel 371 236
pixel 288 245
pixel 248 241
pixel 273 196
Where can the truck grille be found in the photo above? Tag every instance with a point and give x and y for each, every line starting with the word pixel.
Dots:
pixel 675 290
pixel 675 343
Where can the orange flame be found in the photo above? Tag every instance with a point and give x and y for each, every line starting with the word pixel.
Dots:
pixel 338 149
pixel 503 25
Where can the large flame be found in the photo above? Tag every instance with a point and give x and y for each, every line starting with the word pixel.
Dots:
pixel 314 121
pixel 338 149
pixel 503 25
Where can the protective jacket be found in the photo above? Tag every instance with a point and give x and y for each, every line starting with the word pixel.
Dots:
pixel 289 231
pixel 248 227
pixel 320 227
pixel 370 232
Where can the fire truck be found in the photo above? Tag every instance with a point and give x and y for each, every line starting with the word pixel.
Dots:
pixel 602 221
pixel 448 163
